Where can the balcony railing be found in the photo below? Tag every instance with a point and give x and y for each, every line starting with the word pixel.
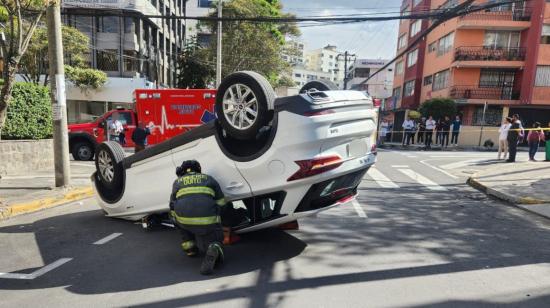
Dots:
pixel 514 15
pixel 482 53
pixel 476 92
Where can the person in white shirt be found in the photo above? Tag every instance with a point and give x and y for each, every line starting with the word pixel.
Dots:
pixel 503 137
pixel 430 126
pixel 408 126
pixel 115 127
pixel 383 131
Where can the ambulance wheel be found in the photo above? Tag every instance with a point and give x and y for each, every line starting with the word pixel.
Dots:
pixel 243 104
pixel 83 151
pixel 319 85
pixel 108 163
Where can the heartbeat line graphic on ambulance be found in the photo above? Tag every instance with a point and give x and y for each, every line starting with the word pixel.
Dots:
pixel 165 125
pixel 206 117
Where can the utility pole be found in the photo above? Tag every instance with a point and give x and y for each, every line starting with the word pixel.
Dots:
pixel 219 46
pixel 346 57
pixel 482 123
pixel 57 94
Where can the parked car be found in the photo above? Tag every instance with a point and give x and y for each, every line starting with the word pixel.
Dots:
pixel 281 159
pixel 169 111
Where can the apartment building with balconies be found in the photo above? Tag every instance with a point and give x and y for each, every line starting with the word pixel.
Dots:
pixel 499 56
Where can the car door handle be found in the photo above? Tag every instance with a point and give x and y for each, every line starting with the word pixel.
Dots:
pixel 234 185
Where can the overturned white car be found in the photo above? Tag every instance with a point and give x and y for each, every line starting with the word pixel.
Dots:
pixel 280 159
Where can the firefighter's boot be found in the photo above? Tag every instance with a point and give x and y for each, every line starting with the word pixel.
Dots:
pixel 214 256
pixel 190 248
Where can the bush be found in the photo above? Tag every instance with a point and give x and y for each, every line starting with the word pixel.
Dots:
pixel 438 108
pixel 85 77
pixel 29 113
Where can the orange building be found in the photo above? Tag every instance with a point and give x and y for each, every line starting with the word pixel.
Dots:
pixel 499 56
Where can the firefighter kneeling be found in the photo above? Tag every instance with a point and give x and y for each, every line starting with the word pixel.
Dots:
pixel 195 205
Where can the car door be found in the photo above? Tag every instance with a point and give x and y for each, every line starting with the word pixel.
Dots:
pixel 213 162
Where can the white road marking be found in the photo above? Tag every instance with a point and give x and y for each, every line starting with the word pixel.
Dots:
pixel 83 164
pixel 422 180
pixel 39 272
pixel 381 179
pixel 459 164
pixel 424 162
pixel 400 166
pixel 107 238
pixel 358 208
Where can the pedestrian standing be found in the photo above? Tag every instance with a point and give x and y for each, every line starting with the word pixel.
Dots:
pixel 513 137
pixel 408 126
pixel 413 131
pixel 139 137
pixel 383 131
pixel 114 128
pixel 438 131
pixel 445 129
pixel 535 136
pixel 503 137
pixel 421 130
pixel 430 126
pixel 456 130
pixel 547 138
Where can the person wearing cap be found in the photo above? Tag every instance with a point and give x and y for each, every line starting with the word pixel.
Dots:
pixel 196 202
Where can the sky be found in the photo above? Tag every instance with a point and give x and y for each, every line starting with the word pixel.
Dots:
pixel 371 40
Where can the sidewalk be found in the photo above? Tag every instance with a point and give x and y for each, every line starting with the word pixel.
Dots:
pixel 525 184
pixel 31 192
pixel 436 147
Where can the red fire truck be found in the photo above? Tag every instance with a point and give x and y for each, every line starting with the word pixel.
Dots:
pixel 168 112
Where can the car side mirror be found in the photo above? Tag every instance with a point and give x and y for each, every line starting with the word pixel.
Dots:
pixel 101 124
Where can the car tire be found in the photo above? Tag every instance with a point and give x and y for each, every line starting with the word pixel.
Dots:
pixel 243 104
pixel 319 85
pixel 83 151
pixel 108 163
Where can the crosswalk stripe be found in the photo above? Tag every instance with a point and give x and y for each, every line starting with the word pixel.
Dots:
pixel 422 180
pixel 459 164
pixel 381 179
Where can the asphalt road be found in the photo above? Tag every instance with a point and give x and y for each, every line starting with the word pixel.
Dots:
pixel 418 236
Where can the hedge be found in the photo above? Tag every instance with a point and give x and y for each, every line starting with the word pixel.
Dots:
pixel 29 113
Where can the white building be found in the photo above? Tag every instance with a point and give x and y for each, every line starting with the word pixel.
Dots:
pixel 294 53
pixel 302 75
pixel 380 86
pixel 327 60
pixel 198 8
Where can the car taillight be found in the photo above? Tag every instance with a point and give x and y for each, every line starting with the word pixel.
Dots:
pixel 318 113
pixel 311 167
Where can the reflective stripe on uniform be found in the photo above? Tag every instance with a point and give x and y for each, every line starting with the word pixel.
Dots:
pixel 198 220
pixel 220 202
pixel 187 245
pixel 195 190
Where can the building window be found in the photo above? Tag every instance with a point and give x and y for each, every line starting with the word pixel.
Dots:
pixel 493 116
pixel 501 39
pixel 108 24
pixel 445 44
pixel 416 2
pixel 405 12
pixel 415 27
pixel 298 75
pixel 399 68
pixel 409 88
pixel 205 3
pixel 432 47
pixel 448 4
pixel 412 57
pixel 107 60
pixel 496 78
pixel 131 62
pixel 543 76
pixel 83 23
pixel 129 24
pixel 545 38
pixel 397 94
pixel 362 72
pixel 402 42
pixel 428 80
pixel 440 80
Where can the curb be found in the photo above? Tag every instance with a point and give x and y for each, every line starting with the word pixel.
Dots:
pixel 504 196
pixel 45 203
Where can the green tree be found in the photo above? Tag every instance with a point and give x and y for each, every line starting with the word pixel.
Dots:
pixel 195 70
pixel 250 45
pixel 438 108
pixel 29 114
pixel 22 18
pixel 34 62
pixel 85 78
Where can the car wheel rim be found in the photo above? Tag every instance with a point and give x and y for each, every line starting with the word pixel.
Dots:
pixel 240 106
pixel 106 168
pixel 84 152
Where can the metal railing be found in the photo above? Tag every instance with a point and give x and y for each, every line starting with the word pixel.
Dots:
pixel 483 53
pixel 513 15
pixel 477 92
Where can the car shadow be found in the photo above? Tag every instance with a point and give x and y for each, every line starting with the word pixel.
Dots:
pixel 137 259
